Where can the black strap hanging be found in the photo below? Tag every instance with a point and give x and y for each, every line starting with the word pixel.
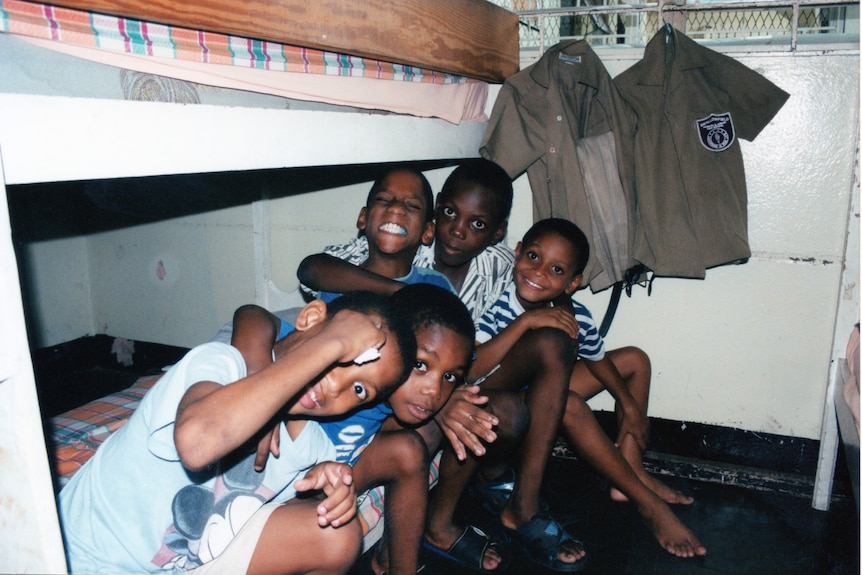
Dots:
pixel 639 274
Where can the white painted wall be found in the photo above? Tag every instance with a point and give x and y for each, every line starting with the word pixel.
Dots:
pixel 67 312
pixel 185 276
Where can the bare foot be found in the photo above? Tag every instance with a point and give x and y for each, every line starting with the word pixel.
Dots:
pixel 491 560
pixel 667 493
pixel 672 535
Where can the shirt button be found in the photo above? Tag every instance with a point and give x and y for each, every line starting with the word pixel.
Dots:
pixel 553 150
pixel 559 118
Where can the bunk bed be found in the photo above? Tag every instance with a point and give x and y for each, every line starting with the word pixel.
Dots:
pixel 416 71
pixel 68 137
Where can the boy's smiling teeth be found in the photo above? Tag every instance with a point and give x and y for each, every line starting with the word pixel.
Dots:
pixel 393 229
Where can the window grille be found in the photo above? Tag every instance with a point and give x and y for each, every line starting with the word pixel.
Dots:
pixel 779 23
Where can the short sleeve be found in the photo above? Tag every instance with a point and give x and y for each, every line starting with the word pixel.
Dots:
pixel 754 100
pixel 514 136
pixel 216 362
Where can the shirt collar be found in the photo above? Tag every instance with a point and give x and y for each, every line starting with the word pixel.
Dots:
pixel 688 55
pixel 540 72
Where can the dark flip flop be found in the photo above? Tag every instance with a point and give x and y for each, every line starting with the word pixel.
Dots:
pixel 469 550
pixel 540 540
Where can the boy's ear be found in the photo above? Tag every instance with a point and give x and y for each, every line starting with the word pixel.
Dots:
pixel 517 250
pixel 574 284
pixel 500 232
pixel 428 233
pixel 360 221
pixel 313 313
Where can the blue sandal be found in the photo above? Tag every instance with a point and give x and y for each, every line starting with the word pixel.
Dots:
pixel 540 540
pixel 469 550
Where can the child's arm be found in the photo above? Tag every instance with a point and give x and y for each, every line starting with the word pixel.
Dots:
pixel 634 421
pixel 323 272
pixel 254 333
pixel 213 420
pixel 491 353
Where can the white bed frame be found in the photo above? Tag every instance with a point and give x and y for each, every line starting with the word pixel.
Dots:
pixel 46 138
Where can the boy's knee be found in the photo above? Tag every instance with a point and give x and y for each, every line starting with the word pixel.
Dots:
pixel 513 416
pixel 550 344
pixel 576 408
pixel 342 545
pixel 408 449
pixel 636 360
pixel 641 358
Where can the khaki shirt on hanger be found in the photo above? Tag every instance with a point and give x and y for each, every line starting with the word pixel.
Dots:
pixel 548 119
pixel 692 105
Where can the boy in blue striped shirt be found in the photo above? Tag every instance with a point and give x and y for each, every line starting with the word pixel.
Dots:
pixel 549 263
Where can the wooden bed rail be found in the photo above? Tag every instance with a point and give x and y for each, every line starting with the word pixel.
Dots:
pixel 471 38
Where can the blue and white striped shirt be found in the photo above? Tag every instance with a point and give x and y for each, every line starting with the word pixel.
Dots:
pixel 591 346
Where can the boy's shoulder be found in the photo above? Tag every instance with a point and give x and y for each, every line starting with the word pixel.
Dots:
pixel 584 317
pixel 507 300
pixel 580 308
pixel 498 252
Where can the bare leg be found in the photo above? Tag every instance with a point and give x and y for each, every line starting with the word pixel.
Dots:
pixel 542 362
pixel 634 367
pixel 293 543
pixel 455 475
pixel 399 460
pixel 585 434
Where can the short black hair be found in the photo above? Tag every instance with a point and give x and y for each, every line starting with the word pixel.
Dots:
pixel 427 192
pixel 423 305
pixel 366 302
pixel 488 175
pixel 566 230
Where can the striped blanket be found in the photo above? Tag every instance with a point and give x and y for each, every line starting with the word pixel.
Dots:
pixel 129 36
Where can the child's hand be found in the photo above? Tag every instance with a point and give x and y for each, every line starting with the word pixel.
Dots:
pixel 555 317
pixel 356 332
pixel 465 423
pixel 336 481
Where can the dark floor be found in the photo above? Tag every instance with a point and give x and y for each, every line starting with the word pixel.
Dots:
pixel 746 531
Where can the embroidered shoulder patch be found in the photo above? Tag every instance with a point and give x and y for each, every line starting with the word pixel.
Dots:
pixel 716 132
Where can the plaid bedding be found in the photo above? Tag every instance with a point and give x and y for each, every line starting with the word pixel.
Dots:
pixel 77 433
